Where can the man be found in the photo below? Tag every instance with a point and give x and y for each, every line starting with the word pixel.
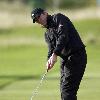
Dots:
pixel 64 41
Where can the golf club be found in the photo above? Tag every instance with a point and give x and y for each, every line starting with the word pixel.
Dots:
pixel 35 92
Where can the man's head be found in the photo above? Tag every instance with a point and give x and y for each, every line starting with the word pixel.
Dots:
pixel 39 16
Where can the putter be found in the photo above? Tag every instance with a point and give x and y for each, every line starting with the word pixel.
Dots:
pixel 35 92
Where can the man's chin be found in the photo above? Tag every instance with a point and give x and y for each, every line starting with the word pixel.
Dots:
pixel 44 26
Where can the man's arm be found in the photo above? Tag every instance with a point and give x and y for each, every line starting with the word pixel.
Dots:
pixel 52 58
pixel 50 46
pixel 62 32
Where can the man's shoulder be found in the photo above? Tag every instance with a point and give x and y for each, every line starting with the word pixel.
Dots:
pixel 59 16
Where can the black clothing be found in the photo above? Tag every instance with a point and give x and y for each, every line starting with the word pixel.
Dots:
pixel 72 71
pixel 63 40
pixel 61 36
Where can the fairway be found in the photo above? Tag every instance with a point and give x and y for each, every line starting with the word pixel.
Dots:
pixel 22 64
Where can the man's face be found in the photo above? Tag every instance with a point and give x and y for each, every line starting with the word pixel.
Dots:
pixel 42 19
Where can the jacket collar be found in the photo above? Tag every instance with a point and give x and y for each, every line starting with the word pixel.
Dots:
pixel 50 22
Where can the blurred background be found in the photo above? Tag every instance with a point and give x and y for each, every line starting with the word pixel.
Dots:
pixel 23 50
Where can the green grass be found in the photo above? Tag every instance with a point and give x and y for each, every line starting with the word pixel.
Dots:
pixel 89 26
pixel 22 65
pixel 22 31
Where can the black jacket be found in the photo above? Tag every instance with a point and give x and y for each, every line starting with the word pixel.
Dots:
pixel 61 36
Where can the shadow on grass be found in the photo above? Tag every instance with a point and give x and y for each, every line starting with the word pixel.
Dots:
pixel 2 86
pixel 13 78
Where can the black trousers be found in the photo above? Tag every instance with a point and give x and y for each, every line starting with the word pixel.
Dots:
pixel 72 70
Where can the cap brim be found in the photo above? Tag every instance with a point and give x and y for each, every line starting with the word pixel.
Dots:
pixel 34 20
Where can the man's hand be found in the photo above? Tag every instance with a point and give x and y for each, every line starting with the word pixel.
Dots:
pixel 52 60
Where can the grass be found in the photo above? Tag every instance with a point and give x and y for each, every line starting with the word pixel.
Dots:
pixel 22 65
pixel 22 31
pixel 88 26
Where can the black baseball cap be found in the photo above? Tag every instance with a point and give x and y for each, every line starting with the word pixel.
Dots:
pixel 36 13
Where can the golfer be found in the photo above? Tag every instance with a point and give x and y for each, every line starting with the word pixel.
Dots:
pixel 64 41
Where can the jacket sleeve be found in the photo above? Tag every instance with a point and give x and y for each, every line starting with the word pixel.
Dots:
pixel 62 32
pixel 50 46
